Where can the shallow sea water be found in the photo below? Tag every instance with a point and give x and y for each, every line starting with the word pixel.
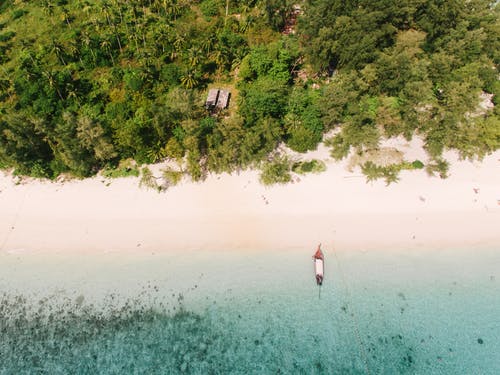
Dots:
pixel 251 312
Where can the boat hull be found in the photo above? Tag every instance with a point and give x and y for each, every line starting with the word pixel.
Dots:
pixel 319 270
pixel 318 259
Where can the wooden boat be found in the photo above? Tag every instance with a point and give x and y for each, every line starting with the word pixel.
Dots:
pixel 319 261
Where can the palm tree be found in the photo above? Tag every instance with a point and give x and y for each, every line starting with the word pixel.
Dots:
pixel 66 16
pixel 72 49
pixel 178 45
pixel 72 93
pixel 85 37
pixel 172 8
pixel 189 79
pixel 105 44
pixel 52 82
pixel 58 49
pixel 219 58
pixel 194 56
pixel 227 12
pixel 157 153
pixel 48 9
pixel 107 13
pixel 207 44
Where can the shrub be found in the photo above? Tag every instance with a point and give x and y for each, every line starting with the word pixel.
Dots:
pixel 276 172
pixel 439 166
pixel 124 169
pixel 147 179
pixel 310 166
pixel 390 173
pixel 133 80
pixel 7 36
pixel 18 13
pixel 373 172
pixel 210 8
pixel 173 149
pixel 417 164
pixel 172 177
pixel 340 147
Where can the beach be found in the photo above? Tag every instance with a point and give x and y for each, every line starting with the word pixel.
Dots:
pixel 337 208
pixel 102 276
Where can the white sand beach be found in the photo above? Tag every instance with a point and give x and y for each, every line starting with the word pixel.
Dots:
pixel 337 208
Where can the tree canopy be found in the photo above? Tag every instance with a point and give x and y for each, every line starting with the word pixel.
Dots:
pixel 401 68
pixel 86 84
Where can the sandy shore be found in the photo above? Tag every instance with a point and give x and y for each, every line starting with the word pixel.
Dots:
pixel 338 208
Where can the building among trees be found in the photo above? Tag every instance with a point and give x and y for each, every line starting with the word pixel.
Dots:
pixel 217 98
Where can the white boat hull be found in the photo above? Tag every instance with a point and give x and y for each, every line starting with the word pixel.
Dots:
pixel 318 267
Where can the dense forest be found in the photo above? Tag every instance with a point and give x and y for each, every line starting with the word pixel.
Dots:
pixel 87 84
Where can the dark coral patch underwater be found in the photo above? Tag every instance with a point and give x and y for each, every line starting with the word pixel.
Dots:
pixel 71 336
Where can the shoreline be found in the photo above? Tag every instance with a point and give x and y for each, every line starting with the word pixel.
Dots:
pixel 237 212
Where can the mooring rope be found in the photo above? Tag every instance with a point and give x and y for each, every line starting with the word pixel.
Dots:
pixel 355 323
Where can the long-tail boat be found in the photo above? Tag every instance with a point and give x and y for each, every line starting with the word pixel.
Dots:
pixel 319 261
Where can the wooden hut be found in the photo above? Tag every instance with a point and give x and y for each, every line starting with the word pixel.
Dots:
pixel 223 100
pixel 217 98
pixel 213 95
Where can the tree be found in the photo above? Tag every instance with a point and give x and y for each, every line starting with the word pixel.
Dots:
pixel 266 97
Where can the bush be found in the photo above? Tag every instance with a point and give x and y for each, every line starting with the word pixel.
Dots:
pixel 126 168
pixel 390 173
pixel 7 36
pixel 18 13
pixel 439 166
pixel 311 166
pixel 147 179
pixel 210 8
pixel 417 164
pixel 276 172
pixel 172 177
pixel 340 147
pixel 373 172
pixel 171 74
pixel 39 170
pixel 133 80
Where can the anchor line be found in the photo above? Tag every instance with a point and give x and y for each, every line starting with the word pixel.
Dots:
pixel 355 322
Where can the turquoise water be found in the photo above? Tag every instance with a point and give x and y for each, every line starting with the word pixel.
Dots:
pixel 405 312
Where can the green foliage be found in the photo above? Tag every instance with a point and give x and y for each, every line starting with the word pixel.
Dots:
pixel 390 173
pixel 5 37
pixel 18 13
pixel 126 168
pixel 86 84
pixel 103 82
pixel 210 8
pixel 274 60
pixel 417 164
pixel 405 67
pixel 439 166
pixel 339 147
pixel 266 97
pixel 148 180
pixel 276 171
pixel 172 176
pixel 133 79
pixel 374 172
pixel 303 125
pixel 309 166
pixel 174 149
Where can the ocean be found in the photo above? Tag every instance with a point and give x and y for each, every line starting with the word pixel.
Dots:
pixel 405 311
